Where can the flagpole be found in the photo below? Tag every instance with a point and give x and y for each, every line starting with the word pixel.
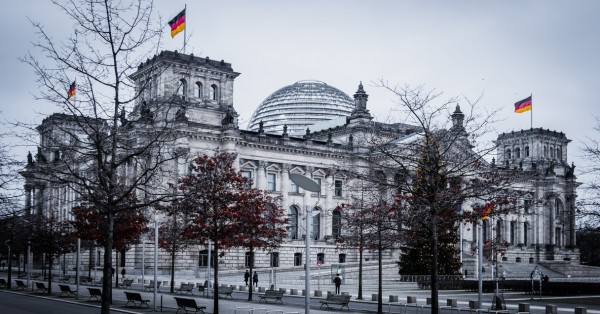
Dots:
pixel 185 26
pixel 531 114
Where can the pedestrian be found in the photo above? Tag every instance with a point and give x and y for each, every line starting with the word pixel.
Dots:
pixel 246 277
pixel 338 282
pixel 123 272
pixel 112 271
pixel 255 279
pixel 546 278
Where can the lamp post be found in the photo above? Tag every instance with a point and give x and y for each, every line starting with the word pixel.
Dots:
pixel 311 186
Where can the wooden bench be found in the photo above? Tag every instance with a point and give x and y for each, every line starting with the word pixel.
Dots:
pixel 271 294
pixel 95 293
pixel 150 287
pixel 40 287
pixel 20 285
pixel 226 291
pixel 126 284
pixel 64 289
pixel 134 297
pixel 342 300
pixel 185 304
pixel 185 287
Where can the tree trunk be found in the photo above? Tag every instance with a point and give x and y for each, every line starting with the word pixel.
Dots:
pixel 379 277
pixel 216 279
pixel 360 273
pixel 251 269
pixel 434 268
pixel 107 271
pixel 116 268
pixel 172 267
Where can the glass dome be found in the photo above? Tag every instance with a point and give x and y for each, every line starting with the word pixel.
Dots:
pixel 299 106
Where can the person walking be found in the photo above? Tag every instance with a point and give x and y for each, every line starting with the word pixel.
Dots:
pixel 338 282
pixel 123 273
pixel 255 279
pixel 246 277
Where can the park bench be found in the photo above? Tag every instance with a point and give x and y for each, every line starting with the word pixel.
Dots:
pixel 35 276
pixel 126 284
pixel 226 291
pixel 342 300
pixel 185 304
pixel 40 287
pixel 185 287
pixel 95 293
pixel 134 297
pixel 271 294
pixel 85 280
pixel 150 287
pixel 64 279
pixel 3 283
pixel 20 285
pixel 66 290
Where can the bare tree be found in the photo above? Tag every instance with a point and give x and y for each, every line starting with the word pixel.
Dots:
pixel 589 207
pixel 428 166
pixel 92 149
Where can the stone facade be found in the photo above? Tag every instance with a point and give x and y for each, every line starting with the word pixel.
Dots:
pixel 202 90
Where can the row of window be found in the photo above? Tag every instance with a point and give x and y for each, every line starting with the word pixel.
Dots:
pixel 182 90
pixel 273 259
pixel 551 152
pixel 336 223
pixel 272 183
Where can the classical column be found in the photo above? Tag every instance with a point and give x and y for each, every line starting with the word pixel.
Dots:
pixel 261 175
pixel 285 182
pixel 28 191
pixel 327 219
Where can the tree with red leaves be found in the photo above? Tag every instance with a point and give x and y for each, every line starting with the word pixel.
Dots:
pixel 263 226
pixel 129 223
pixel 217 199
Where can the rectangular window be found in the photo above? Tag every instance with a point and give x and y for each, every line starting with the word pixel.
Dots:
pixel 247 174
pixel 318 180
pixel 294 187
pixel 274 259
pixel 320 259
pixel 249 260
pixel 527 206
pixel 342 258
pixel 512 232
pixel 271 180
pixel 297 259
pixel 338 188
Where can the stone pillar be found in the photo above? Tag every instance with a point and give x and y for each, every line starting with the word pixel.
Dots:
pixel 261 175
pixel 326 220
pixel 285 182
pixel 28 191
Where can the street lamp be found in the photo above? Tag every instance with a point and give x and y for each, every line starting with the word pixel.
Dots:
pixel 311 186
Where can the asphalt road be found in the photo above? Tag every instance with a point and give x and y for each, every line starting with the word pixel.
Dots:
pixel 12 303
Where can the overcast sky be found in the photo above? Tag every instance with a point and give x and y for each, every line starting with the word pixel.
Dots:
pixel 505 50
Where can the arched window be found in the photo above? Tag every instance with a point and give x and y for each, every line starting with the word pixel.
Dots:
pixel 499 230
pixel 484 230
pixel 558 207
pixel 336 224
pixel 508 154
pixel 517 152
pixel 199 91
pixel 513 232
pixel 559 153
pixel 213 92
pixel 182 89
pixel 293 231
pixel 315 231
pixel 552 152
pixel 546 151
pixel 525 231
pixel 526 151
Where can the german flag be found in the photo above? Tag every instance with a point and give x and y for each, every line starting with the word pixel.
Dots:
pixel 523 105
pixel 71 91
pixel 177 23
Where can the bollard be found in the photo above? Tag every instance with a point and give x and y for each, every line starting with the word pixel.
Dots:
pixel 242 288
pixel 303 292
pixel 451 302
pixel 261 289
pixel 524 308
pixel 581 310
pixel 551 309
pixel 393 298
pixel 318 293
pixel 473 304
pixel 411 299
pixel 329 293
pixel 294 291
pixel 374 297
pixel 428 301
